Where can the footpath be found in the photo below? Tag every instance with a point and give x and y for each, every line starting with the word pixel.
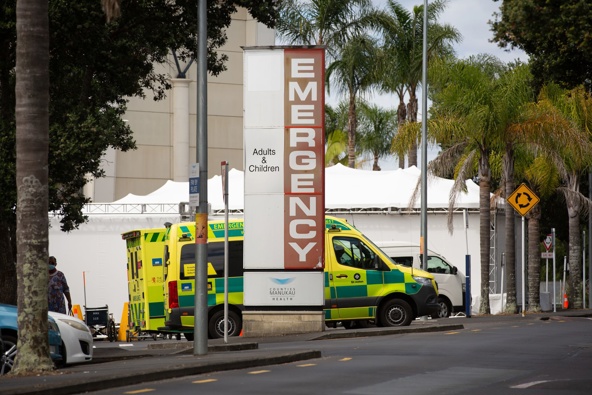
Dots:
pixel 119 364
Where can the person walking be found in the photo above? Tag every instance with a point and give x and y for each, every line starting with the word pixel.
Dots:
pixel 58 288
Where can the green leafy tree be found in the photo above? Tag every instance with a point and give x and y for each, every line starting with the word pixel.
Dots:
pixel 473 105
pixel 376 130
pixel 342 26
pixel 556 35
pixel 402 66
pixel 57 133
pixel 352 74
pixel 94 66
pixel 324 22
pixel 336 134
pixel 561 128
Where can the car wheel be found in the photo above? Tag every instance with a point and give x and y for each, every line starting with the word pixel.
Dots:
pixel 8 349
pixel 64 361
pixel 444 308
pixel 216 324
pixel 396 312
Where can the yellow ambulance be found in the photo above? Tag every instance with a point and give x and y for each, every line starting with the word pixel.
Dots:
pixel 145 249
pixel 362 284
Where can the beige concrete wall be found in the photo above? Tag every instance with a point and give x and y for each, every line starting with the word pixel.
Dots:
pixel 151 165
pixel 279 323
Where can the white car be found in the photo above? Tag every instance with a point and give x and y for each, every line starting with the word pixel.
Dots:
pixel 77 340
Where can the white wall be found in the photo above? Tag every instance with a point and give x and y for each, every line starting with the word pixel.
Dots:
pixel 97 252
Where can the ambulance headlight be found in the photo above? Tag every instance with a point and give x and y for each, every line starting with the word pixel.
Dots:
pixel 423 281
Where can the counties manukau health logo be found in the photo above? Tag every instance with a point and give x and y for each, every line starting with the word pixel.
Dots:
pixel 282 292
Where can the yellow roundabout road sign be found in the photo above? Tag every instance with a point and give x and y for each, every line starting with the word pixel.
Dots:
pixel 523 199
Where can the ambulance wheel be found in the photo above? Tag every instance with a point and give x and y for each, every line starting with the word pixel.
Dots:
pixel 216 324
pixel 188 336
pixel 444 308
pixel 396 312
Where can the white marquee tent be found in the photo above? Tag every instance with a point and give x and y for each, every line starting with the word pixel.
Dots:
pixel 345 188
pixel 377 203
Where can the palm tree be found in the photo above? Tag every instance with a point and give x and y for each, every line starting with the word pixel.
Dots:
pixel 376 130
pixel 561 130
pixel 543 179
pixel 473 106
pixel 340 25
pixel 32 146
pixel 404 43
pixel 353 73
pixel 324 22
pixel 518 85
pixel 336 134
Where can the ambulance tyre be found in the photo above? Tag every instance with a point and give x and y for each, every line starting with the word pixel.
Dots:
pixel 216 324
pixel 395 312
pixel 188 336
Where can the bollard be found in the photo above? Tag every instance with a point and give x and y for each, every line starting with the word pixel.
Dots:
pixel 76 311
pixel 123 324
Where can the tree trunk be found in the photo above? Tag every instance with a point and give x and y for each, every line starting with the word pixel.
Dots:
pixel 484 229
pixel 32 144
pixel 7 265
pixel 534 260
pixel 574 294
pixel 375 166
pixel 401 117
pixel 412 117
pixel 351 133
pixel 510 242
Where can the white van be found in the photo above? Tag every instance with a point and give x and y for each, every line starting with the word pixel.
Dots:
pixel 451 282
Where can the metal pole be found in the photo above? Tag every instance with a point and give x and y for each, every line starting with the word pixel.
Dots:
pixel 584 269
pixel 200 343
pixel 554 292
pixel 225 193
pixel 589 243
pixel 523 266
pixel 424 144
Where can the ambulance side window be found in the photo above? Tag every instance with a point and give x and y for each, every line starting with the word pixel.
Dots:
pixel 235 258
pixel 403 260
pixel 353 252
pixel 187 264
pixel 215 257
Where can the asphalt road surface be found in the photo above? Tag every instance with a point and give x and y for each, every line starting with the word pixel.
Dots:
pixel 539 357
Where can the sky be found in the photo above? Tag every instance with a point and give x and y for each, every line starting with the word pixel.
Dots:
pixel 471 18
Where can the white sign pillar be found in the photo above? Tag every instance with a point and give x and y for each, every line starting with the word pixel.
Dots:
pixel 284 178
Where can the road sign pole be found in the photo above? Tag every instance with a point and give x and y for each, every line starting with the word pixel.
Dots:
pixel 553 233
pixel 523 269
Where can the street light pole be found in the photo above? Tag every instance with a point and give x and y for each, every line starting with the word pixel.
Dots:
pixel 200 326
pixel 424 144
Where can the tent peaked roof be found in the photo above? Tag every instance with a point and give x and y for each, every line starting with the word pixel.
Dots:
pixel 345 188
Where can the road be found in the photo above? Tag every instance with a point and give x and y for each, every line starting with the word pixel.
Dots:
pixel 539 357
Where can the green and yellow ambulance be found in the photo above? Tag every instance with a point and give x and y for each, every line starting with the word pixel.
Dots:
pixel 361 282
pixel 145 249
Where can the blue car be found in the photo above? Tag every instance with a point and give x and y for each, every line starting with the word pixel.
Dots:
pixel 9 335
